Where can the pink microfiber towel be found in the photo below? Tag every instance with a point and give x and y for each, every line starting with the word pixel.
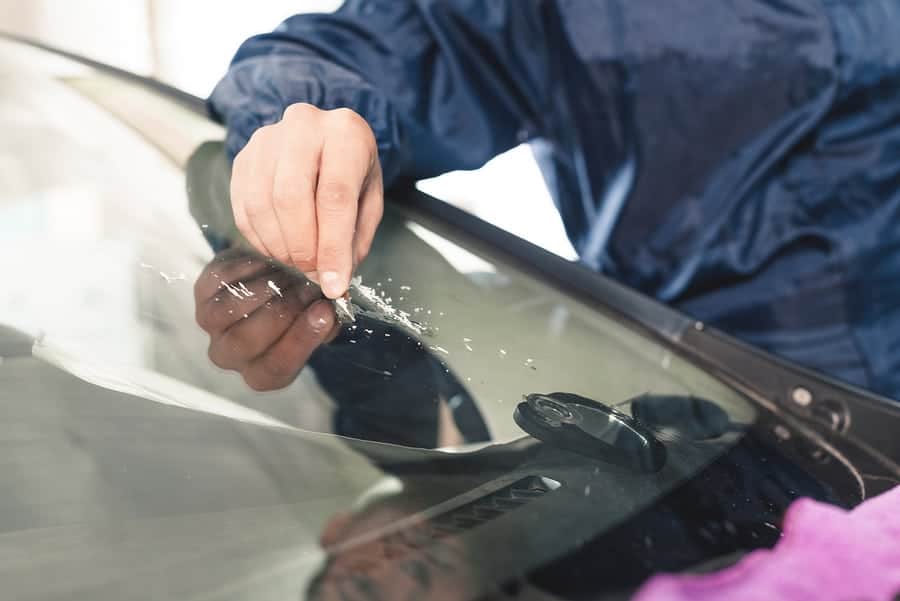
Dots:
pixel 825 554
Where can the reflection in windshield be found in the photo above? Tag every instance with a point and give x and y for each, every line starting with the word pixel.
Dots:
pixel 267 322
pixel 262 321
pixel 592 429
pixel 415 562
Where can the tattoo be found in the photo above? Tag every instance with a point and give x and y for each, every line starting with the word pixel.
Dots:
pixel 376 577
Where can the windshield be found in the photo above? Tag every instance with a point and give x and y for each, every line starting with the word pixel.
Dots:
pixel 98 205
pixel 169 383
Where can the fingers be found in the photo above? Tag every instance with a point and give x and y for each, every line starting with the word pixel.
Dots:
pixel 230 266
pixel 257 193
pixel 250 337
pixel 237 283
pixel 294 187
pixel 239 299
pixel 240 189
pixel 308 191
pixel 371 210
pixel 347 158
pixel 263 321
pixel 280 364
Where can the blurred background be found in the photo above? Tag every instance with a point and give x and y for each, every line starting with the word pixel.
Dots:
pixel 189 44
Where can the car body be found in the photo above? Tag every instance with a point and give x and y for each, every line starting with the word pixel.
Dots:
pixel 547 434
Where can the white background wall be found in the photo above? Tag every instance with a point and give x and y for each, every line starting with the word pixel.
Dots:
pixel 189 44
pixel 113 31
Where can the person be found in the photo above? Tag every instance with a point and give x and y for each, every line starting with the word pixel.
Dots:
pixel 738 161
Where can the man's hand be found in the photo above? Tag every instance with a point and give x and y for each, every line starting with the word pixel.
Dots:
pixel 263 321
pixel 308 192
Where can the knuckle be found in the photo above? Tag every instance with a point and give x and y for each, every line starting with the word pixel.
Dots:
pixel 336 196
pixel 257 382
pixel 204 318
pixel 344 115
pixel 349 119
pixel 260 135
pixel 300 110
pixel 202 289
pixel 268 374
pixel 215 357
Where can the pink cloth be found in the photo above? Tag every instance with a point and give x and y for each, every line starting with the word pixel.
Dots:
pixel 825 553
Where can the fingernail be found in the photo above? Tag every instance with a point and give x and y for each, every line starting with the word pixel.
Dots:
pixel 332 284
pixel 316 316
pixel 312 276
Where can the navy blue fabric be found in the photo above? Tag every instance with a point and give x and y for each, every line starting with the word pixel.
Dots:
pixel 739 160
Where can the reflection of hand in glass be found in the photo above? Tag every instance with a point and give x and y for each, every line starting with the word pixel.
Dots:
pixel 412 563
pixel 263 321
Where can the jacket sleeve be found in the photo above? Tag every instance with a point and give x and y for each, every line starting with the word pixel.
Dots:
pixel 445 84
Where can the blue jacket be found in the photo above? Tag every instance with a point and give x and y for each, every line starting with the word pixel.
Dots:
pixel 739 160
